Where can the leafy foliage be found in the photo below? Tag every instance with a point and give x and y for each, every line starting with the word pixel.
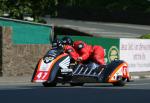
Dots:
pixel 19 8
pixel 146 36
pixel 37 8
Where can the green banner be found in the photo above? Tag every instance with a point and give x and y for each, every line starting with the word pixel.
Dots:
pixel 28 33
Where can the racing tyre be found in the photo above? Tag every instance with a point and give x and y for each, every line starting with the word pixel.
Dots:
pixel 121 82
pixel 47 84
pixel 76 84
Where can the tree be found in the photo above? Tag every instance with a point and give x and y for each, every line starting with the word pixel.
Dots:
pixel 37 8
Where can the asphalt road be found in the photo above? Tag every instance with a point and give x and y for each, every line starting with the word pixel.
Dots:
pixel 134 92
pixel 103 29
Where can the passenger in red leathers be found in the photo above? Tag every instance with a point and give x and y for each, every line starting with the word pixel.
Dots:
pixel 98 54
pixel 88 52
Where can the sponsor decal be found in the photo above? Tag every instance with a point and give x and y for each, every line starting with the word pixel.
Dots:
pixel 136 52
pixel 113 53
pixel 42 75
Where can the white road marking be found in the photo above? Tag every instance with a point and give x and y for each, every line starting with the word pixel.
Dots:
pixel 95 30
pixel 139 84
pixel 117 33
pixel 102 32
pixel 144 27
pixel 82 27
pixel 130 26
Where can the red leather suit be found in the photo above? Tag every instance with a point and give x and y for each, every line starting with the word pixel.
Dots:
pixel 88 52
pixel 71 51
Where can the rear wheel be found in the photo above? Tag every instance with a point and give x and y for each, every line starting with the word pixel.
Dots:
pixel 121 81
pixel 47 84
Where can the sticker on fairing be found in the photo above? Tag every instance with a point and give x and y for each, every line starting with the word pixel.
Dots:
pixel 42 73
pixel 125 71
pixel 44 66
pixel 41 76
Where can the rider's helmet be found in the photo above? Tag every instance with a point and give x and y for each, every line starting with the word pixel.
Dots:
pixel 78 45
pixel 67 41
pixel 57 43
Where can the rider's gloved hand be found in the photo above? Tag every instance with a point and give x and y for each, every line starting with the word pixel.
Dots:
pixel 79 59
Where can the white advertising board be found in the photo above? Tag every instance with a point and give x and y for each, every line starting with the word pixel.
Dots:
pixel 136 52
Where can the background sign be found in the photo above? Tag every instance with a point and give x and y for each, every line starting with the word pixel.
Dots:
pixel 136 52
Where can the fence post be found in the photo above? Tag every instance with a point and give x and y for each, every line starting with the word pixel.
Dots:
pixel 1 43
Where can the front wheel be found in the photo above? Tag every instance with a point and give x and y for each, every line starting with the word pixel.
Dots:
pixel 47 84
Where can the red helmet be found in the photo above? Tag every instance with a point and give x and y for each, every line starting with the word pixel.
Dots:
pixel 78 45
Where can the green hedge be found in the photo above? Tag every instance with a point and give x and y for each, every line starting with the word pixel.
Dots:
pixel 146 36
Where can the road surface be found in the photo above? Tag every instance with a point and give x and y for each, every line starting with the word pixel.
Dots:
pixel 134 92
